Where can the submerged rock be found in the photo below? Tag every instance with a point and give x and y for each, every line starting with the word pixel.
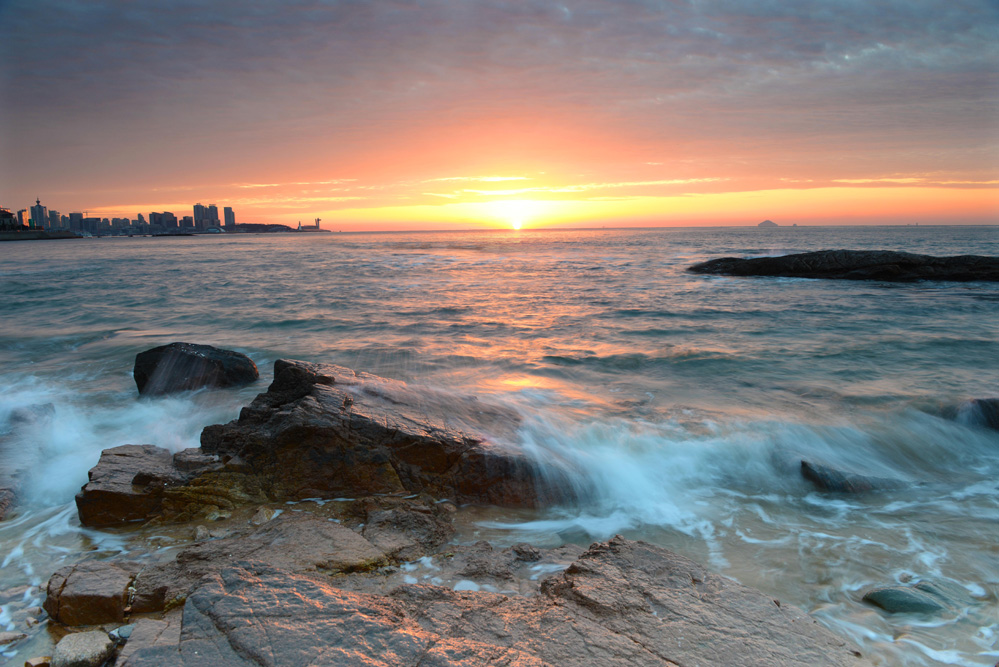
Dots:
pixel 186 366
pixel 621 603
pixel 826 478
pixel 904 599
pixel 883 265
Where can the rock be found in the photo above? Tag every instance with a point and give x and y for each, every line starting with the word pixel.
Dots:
pixel 296 542
pixel 858 265
pixel 121 634
pixel 90 593
pixel 129 481
pixel 826 478
pixel 7 498
pixel 904 599
pixel 262 516
pixel 11 637
pixel 42 661
pixel 185 366
pixel 325 431
pixel 150 636
pixel 83 649
pixel 201 533
pixel 620 604
pixel 980 412
pixel 408 533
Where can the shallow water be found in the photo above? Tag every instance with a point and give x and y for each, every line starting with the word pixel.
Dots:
pixel 682 404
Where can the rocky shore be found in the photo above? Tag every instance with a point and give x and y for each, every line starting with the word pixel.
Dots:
pixel 883 265
pixel 321 523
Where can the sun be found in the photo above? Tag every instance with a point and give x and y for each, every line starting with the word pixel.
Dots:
pixel 515 212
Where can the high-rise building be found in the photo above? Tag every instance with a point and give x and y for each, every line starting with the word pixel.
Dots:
pixel 54 220
pixel 23 217
pixel 39 214
pixel 76 221
pixel 213 216
pixel 200 215
pixel 230 217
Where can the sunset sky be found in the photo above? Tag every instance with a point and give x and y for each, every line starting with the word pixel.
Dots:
pixel 451 114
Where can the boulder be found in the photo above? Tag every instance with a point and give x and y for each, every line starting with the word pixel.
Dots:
pixel 129 481
pixel 882 265
pixel 826 478
pixel 904 599
pixel 622 603
pixel 90 593
pixel 326 431
pixel 186 366
pixel 83 649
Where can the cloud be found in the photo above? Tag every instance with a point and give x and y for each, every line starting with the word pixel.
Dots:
pixel 283 94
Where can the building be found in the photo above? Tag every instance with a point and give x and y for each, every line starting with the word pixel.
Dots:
pixel 230 218
pixel 54 220
pixel 76 222
pixel 23 217
pixel 8 221
pixel 39 215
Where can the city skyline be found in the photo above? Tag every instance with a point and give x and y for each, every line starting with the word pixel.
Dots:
pixel 464 115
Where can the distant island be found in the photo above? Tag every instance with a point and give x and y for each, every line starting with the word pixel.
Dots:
pixel 767 223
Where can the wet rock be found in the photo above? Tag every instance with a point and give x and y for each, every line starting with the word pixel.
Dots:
pixel 881 265
pixel 201 533
pixel 150 637
pixel 826 478
pixel 262 516
pixel 83 649
pixel 980 412
pixel 406 533
pixel 7 498
pixel 90 593
pixel 41 661
pixel 185 366
pixel 621 603
pixel 11 637
pixel 905 600
pixel 128 483
pixel 325 431
pixel 298 542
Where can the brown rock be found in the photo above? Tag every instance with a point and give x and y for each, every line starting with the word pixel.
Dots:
pixel 83 649
pixel 128 483
pixel 298 542
pixel 41 661
pixel 620 604
pixel 7 498
pixel 90 593
pixel 406 533
pixel 150 636
pixel 326 430
pixel 11 637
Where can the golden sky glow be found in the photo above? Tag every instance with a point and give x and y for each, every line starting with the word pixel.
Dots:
pixel 454 114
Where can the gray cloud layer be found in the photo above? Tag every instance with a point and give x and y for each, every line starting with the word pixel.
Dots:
pixel 874 84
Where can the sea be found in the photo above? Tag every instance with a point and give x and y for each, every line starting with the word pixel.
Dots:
pixel 684 403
